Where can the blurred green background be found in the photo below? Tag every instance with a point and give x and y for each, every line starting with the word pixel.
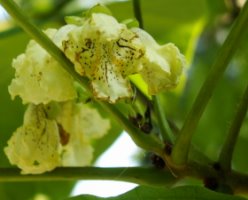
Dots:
pixel 197 27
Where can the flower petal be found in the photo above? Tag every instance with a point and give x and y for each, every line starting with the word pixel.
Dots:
pixel 162 65
pixel 39 78
pixel 78 118
pixel 34 147
pixel 83 124
pixel 77 154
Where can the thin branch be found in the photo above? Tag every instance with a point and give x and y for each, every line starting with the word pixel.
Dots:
pixel 139 175
pixel 147 142
pixel 183 142
pixel 226 154
pixel 166 131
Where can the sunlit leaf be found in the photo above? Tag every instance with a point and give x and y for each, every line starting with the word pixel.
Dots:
pixel 149 193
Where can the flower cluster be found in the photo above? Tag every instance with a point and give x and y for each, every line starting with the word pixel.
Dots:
pixel 56 130
pixel 104 51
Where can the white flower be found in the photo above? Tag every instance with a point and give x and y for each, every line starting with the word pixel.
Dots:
pixel 82 124
pixel 34 147
pixel 53 135
pixel 77 152
pixel 39 78
pixel 106 52
pixel 162 65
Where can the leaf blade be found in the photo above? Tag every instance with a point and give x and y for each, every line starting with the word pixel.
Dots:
pixel 182 192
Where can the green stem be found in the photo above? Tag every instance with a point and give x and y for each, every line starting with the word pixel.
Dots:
pixel 137 13
pixel 142 140
pixel 165 129
pixel 226 154
pixel 139 175
pixel 183 142
pixel 147 142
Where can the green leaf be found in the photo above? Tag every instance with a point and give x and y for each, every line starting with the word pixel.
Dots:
pixel 28 190
pixel 11 111
pixel 149 193
pixel 97 9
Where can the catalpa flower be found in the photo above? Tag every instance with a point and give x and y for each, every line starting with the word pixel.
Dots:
pixel 162 64
pixel 107 52
pixel 53 135
pixel 83 124
pixel 103 50
pixel 39 78
pixel 34 147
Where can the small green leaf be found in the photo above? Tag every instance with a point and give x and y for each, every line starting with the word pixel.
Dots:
pixel 149 193
pixel 131 23
pixel 74 20
pixel 97 9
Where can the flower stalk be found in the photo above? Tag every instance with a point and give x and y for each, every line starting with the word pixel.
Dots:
pixel 166 132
